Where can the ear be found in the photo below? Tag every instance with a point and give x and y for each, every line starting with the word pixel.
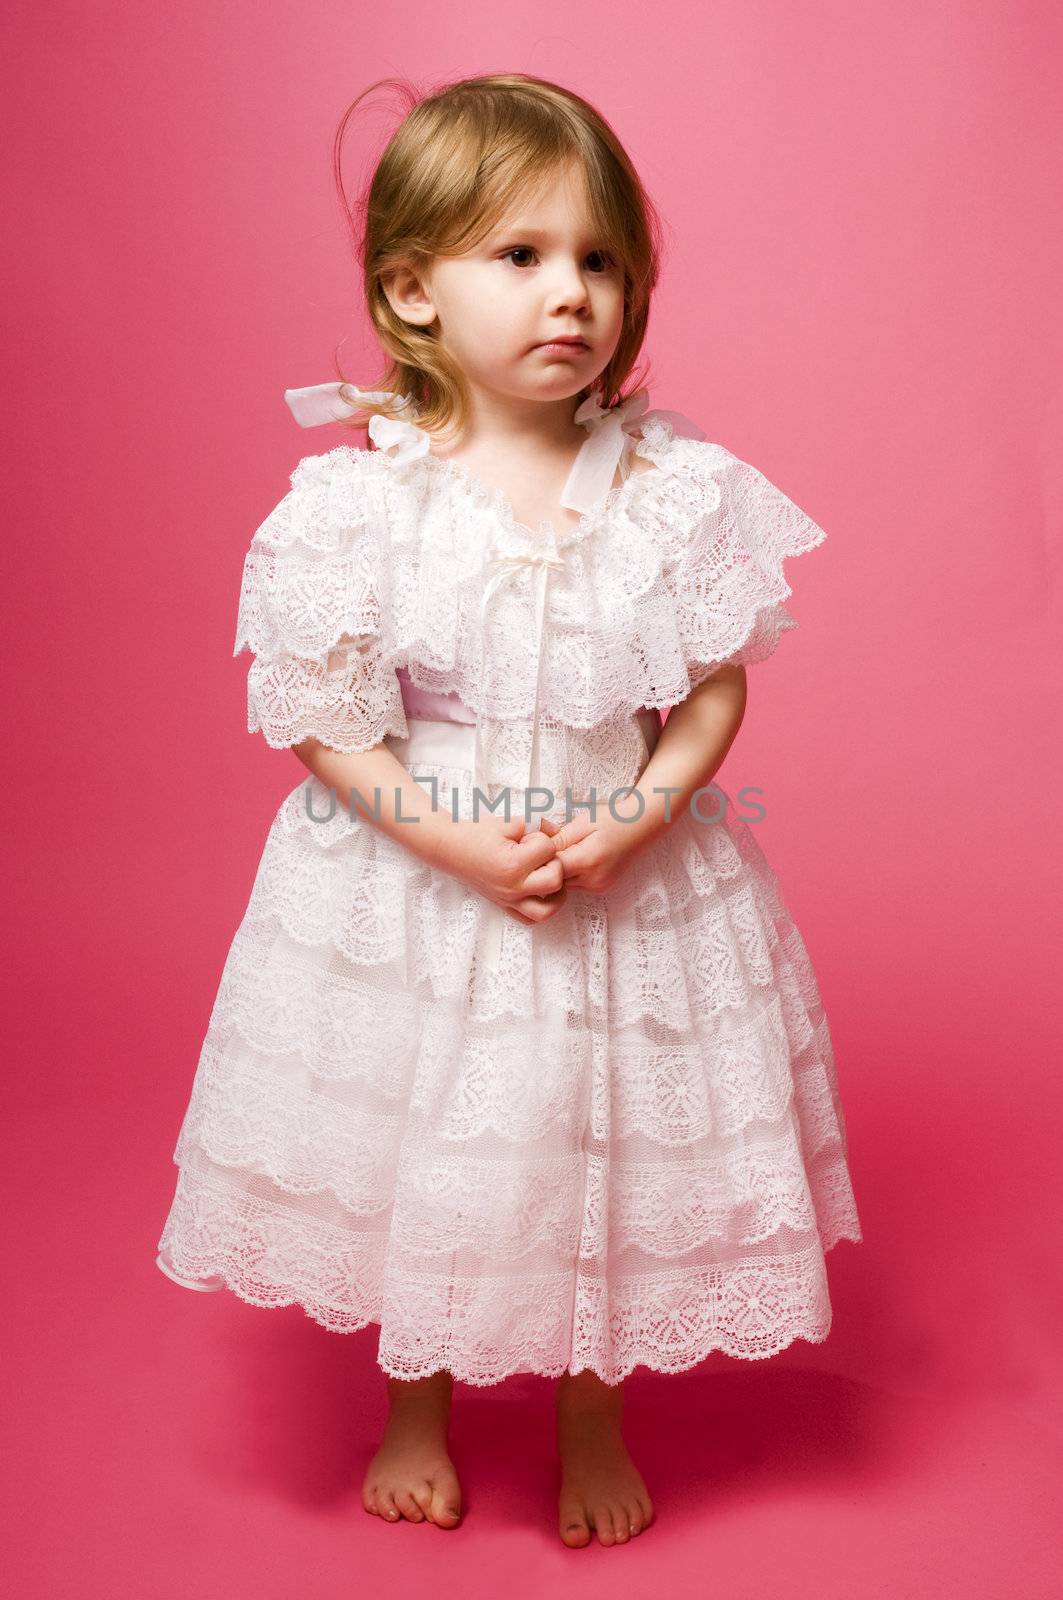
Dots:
pixel 408 295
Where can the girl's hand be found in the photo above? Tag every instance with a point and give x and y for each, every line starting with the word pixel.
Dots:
pixel 516 868
pixel 592 854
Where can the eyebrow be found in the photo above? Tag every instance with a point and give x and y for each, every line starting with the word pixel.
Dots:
pixel 526 232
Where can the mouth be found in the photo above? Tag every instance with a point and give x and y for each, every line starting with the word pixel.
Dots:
pixel 569 346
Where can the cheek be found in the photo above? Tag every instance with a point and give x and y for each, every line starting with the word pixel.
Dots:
pixel 609 306
pixel 495 309
pixel 488 312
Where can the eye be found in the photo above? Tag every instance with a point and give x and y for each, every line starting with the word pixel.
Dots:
pixel 517 250
pixel 527 249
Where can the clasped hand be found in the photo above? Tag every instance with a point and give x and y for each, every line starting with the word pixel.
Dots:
pixel 528 873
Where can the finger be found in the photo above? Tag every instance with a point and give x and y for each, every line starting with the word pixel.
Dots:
pixel 539 909
pixel 544 880
pixel 537 848
pixel 513 826
pixel 575 857
pixel 560 832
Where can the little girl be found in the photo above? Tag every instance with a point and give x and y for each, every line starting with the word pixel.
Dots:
pixel 517 1051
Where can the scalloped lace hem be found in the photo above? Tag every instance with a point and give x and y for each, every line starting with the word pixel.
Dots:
pixel 722 1343
pixel 723 1304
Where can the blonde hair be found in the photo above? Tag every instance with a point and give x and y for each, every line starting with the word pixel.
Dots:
pixel 454 165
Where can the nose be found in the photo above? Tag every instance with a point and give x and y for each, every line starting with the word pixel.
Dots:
pixel 569 289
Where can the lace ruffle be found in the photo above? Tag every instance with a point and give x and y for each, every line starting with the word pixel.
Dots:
pixel 270 1254
pixel 313 599
pixel 368 565
pixel 624 1147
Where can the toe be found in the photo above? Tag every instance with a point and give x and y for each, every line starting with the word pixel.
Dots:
pixel 408 1506
pixel 421 1493
pixel 631 1518
pixel 445 1508
pixel 603 1524
pixel 572 1521
pixel 573 1526
pixel 386 1505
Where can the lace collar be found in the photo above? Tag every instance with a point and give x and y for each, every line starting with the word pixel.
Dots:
pixel 590 482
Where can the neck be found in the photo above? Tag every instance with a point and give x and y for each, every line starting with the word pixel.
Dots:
pixel 497 424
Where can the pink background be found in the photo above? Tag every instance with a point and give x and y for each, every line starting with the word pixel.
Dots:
pixel 860 296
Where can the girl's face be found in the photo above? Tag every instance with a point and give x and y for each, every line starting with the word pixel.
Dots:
pixel 540 274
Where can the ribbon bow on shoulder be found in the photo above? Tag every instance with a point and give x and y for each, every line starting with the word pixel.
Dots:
pixel 608 442
pixel 324 402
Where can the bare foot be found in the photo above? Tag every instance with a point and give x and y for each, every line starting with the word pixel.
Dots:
pixel 412 1475
pixel 601 1488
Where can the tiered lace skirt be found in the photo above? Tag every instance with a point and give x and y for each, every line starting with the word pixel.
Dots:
pixel 608 1140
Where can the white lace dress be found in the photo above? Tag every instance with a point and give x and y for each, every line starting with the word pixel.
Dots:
pixel 612 1139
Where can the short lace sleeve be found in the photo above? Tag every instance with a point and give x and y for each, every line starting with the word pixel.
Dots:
pixel 724 551
pixel 313 605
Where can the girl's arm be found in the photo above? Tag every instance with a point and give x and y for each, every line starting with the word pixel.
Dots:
pixel 690 750
pixel 497 858
pixel 376 774
pixel 696 737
